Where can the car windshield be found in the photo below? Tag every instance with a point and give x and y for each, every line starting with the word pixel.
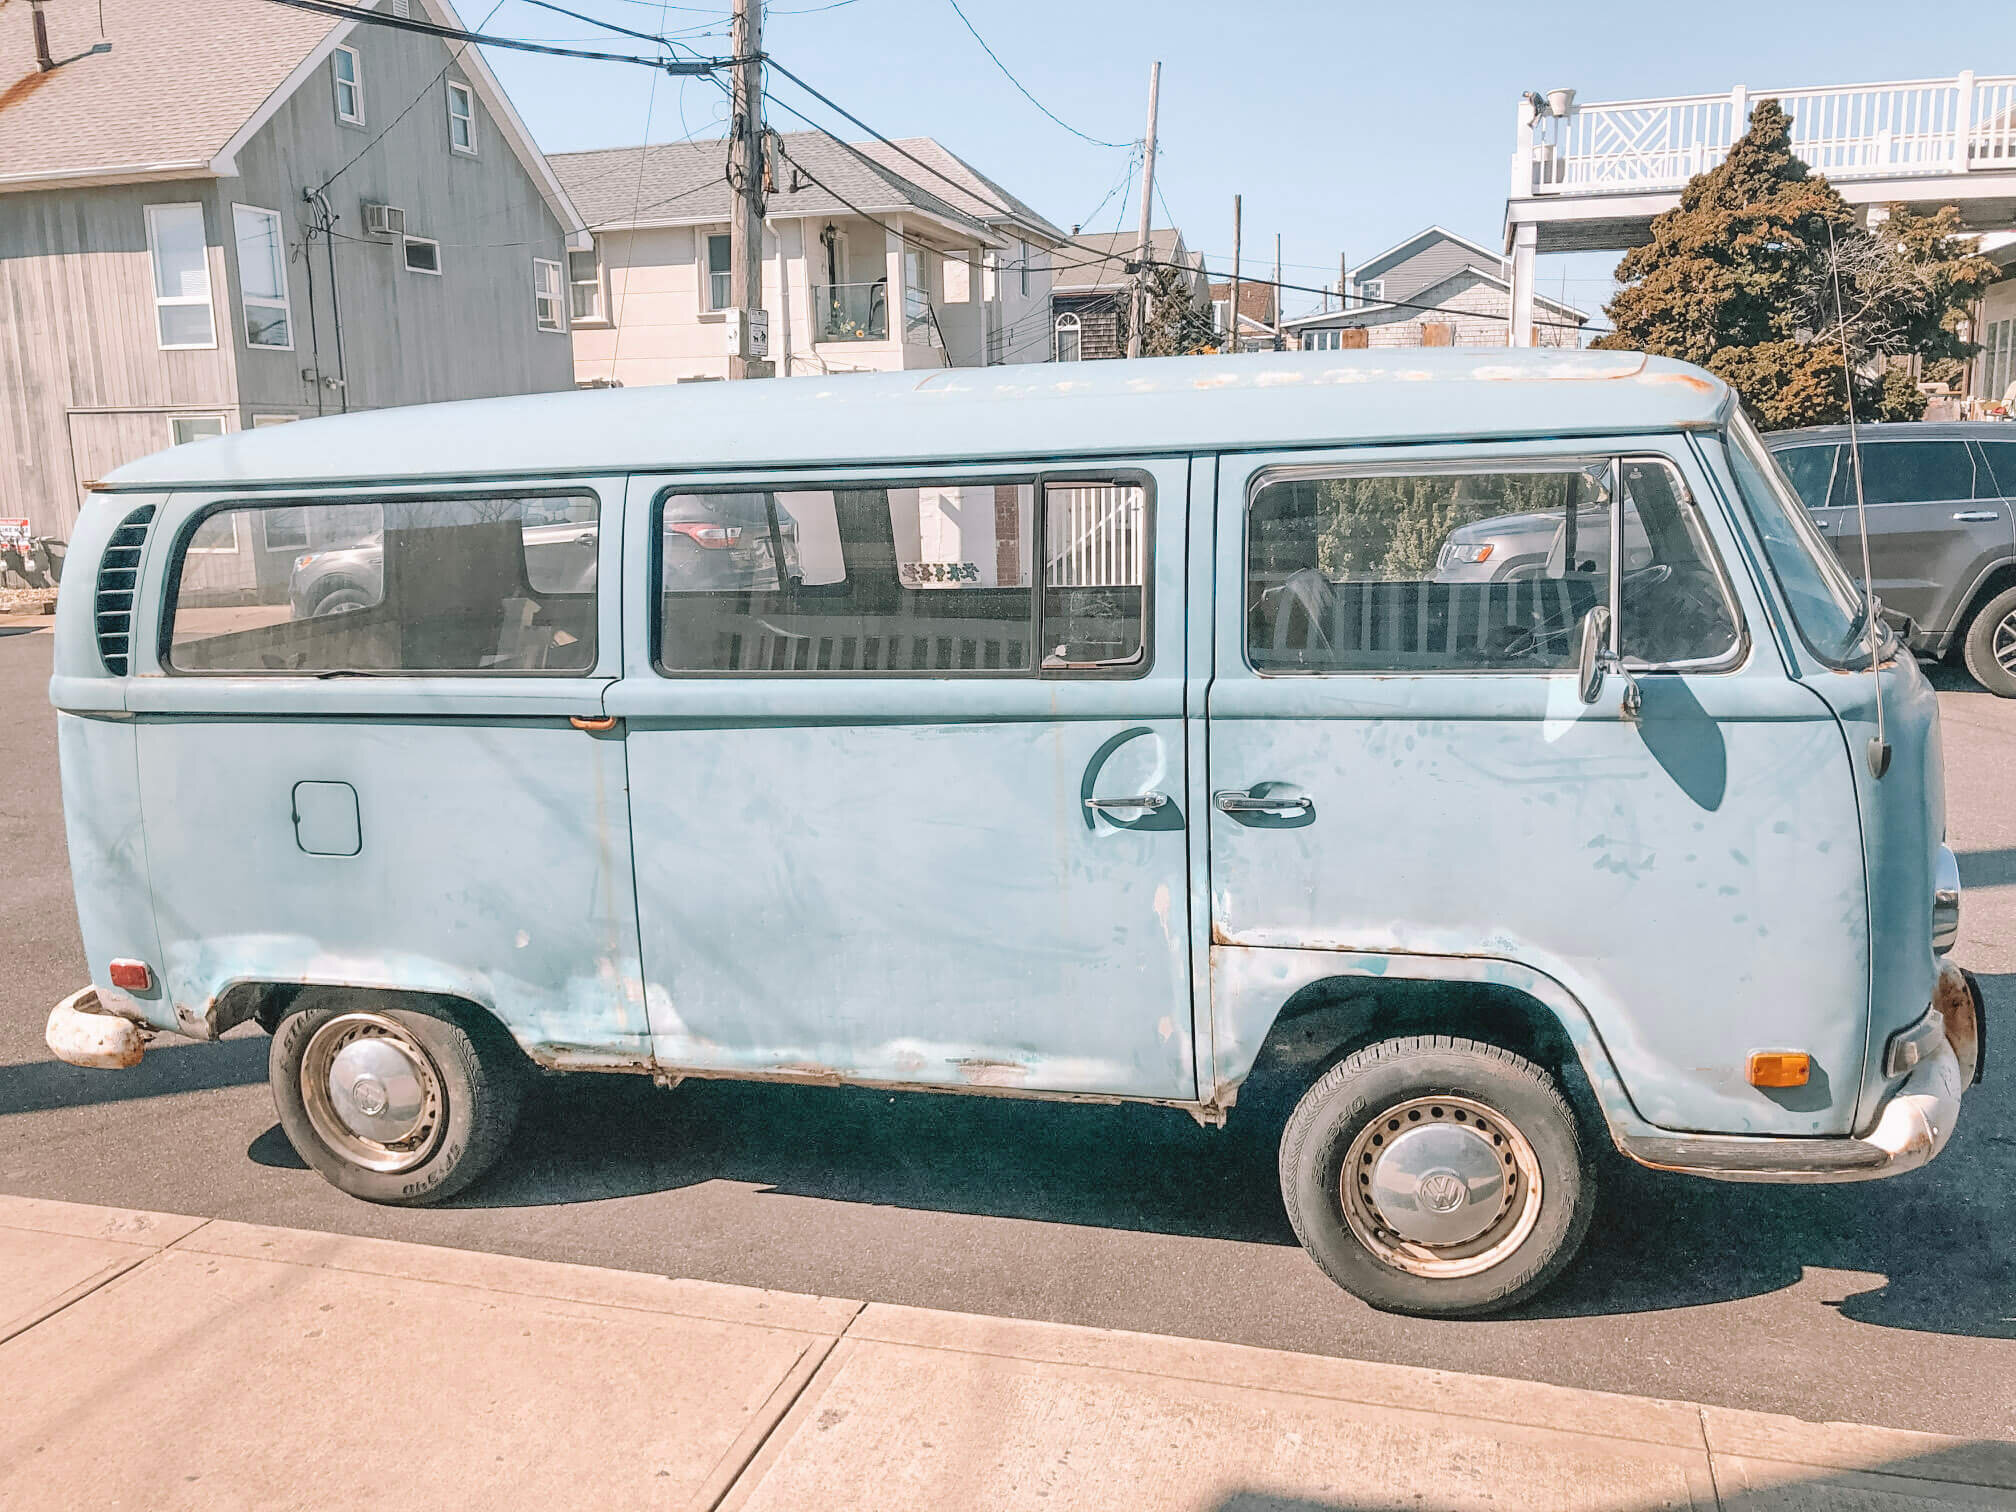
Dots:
pixel 1825 603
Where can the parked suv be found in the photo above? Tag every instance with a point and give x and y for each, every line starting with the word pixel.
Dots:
pixel 1942 532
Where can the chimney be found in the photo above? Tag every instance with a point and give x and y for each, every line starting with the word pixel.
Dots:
pixel 42 58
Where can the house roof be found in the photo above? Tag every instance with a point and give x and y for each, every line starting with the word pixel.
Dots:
pixel 1097 260
pixel 1372 313
pixel 963 185
pixel 172 90
pixel 175 85
pixel 1035 414
pixel 1401 251
pixel 682 184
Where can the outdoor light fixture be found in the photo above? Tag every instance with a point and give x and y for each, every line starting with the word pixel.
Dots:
pixel 1560 101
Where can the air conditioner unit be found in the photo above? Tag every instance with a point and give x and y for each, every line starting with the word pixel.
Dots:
pixel 384 220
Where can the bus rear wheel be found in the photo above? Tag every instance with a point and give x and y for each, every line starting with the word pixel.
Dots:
pixel 1437 1176
pixel 393 1099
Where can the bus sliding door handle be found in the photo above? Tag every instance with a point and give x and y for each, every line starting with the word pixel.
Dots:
pixel 592 725
pixel 1146 803
pixel 1233 801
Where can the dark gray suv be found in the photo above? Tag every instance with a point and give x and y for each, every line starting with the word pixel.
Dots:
pixel 1942 530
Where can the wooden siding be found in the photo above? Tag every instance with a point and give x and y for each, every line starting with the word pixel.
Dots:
pixel 77 338
pixel 408 338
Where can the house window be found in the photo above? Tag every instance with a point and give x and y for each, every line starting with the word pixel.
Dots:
pixel 1070 337
pixel 284 529
pixel 186 428
pixel 260 422
pixel 348 77
pixel 423 255
pixel 547 309
pixel 1322 341
pixel 1220 311
pixel 461 118
pixel 584 281
pixel 1026 254
pixel 720 286
pixel 182 315
pixel 262 277
pixel 1372 291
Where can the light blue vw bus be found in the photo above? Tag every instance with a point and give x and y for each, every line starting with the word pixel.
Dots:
pixel 1082 732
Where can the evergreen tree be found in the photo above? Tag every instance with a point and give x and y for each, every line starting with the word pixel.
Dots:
pixel 1762 268
pixel 1178 325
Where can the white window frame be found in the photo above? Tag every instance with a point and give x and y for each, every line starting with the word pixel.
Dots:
pixel 175 438
pixel 467 116
pixel 355 84
pixel 406 243
pixel 1028 254
pixel 1323 339
pixel 247 302
pixel 154 275
pixel 259 422
pixel 708 275
pixel 600 314
pixel 266 518
pixel 1372 291
pixel 1067 321
pixel 557 294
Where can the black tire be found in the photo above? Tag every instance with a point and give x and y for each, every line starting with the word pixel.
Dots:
pixel 477 1082
pixel 1522 1110
pixel 343 598
pixel 1994 621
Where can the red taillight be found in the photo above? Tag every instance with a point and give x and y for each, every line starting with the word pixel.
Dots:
pixel 131 976
pixel 701 533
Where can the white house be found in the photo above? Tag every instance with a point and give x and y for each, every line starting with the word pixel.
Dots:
pixel 874 258
pixel 1433 289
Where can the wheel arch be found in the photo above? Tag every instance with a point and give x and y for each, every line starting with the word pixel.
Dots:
pixel 1996 579
pixel 1294 1013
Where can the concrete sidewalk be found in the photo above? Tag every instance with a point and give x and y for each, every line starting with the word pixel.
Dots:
pixel 155 1361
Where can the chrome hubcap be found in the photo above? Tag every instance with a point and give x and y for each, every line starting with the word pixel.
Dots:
pixel 2003 645
pixel 1441 1186
pixel 372 1093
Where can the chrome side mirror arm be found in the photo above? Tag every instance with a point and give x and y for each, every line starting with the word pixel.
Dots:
pixel 1596 659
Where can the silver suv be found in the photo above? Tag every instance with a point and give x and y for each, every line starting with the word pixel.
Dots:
pixel 1942 532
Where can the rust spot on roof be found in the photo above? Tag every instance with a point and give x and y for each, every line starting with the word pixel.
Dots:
pixel 1685 380
pixel 24 86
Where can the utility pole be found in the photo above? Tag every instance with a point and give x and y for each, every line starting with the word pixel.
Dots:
pixel 1277 291
pixel 1343 277
pixel 1141 253
pixel 1232 305
pixel 745 224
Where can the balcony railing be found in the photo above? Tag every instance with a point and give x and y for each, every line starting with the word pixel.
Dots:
pixel 851 312
pixel 1920 127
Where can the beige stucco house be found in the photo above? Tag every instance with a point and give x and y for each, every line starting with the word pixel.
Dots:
pixel 874 258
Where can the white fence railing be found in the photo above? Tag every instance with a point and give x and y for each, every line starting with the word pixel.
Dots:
pixel 1858 131
pixel 1097 537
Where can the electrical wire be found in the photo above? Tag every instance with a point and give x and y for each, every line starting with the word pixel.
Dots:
pixel 1009 75
pixel 636 207
pixel 457 34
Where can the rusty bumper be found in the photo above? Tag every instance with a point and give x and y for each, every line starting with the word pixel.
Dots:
pixel 1913 1125
pixel 82 1033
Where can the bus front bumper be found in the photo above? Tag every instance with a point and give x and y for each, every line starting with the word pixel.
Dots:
pixel 1915 1122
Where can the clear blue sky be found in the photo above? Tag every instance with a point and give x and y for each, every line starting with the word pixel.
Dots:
pixel 1345 127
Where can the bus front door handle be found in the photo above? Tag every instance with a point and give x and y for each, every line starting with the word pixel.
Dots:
pixel 593 726
pixel 1232 801
pixel 1145 803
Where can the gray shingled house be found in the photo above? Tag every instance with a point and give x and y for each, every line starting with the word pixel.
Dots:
pixel 163 278
pixel 1089 299
pixel 1433 289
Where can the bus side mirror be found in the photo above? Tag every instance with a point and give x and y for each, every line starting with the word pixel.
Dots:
pixel 1589 663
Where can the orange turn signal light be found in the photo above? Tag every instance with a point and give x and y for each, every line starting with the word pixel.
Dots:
pixel 1780 1068
pixel 131 976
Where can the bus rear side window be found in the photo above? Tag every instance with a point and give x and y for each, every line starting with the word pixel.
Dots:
pixel 453 584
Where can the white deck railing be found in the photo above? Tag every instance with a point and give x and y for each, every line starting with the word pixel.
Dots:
pixel 1927 126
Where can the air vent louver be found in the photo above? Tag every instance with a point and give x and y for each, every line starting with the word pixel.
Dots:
pixel 118 581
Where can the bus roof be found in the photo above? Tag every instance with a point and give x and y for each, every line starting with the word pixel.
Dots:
pixel 1161 406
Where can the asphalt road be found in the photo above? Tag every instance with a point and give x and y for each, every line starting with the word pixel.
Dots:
pixel 1892 1303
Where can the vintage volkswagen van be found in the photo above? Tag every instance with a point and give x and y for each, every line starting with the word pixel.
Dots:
pixel 1074 732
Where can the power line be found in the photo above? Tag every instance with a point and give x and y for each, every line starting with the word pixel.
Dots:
pixel 1009 75
pixel 457 34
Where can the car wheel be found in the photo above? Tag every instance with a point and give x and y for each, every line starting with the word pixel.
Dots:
pixel 393 1099
pixel 1990 646
pixel 346 599
pixel 1437 1176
